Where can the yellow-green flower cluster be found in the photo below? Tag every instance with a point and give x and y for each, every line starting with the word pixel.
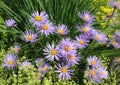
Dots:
pixel 104 14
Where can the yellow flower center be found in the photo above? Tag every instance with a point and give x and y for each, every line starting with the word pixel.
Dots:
pixel 81 42
pixel 38 18
pixel 84 29
pixel 10 62
pixel 53 52
pixel 92 62
pixel 45 27
pixel 44 68
pixel 102 72
pixel 67 48
pixel 70 57
pixel 92 72
pixel 98 37
pixel 29 37
pixel 117 4
pixel 113 42
pixel 86 18
pixel 60 31
pixel 16 50
pixel 63 70
pixel 118 59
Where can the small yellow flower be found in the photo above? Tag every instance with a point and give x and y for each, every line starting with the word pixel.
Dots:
pixel 107 10
pixel 97 17
pixel 102 7
pixel 103 17
pixel 103 25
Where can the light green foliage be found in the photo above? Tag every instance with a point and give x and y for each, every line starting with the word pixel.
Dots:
pixel 28 76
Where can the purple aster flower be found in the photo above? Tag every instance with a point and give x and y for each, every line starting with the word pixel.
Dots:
pixel 93 61
pixel 99 36
pixel 114 4
pixel 44 68
pixel 10 61
pixel 117 60
pixel 46 28
pixel 92 74
pixel 67 46
pixel 86 16
pixel 116 40
pixel 82 41
pixel 72 58
pixel 62 29
pixel 85 28
pixel 102 73
pixel 117 35
pixel 30 36
pixel 64 71
pixel 25 64
pixel 10 23
pixel 88 35
pixel 16 49
pixel 51 52
pixel 39 61
pixel 115 63
pixel 37 18
pixel 115 43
